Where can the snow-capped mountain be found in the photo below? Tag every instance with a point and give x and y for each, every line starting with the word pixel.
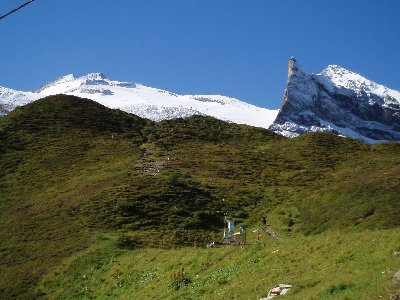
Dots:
pixel 336 101
pixel 10 99
pixel 147 102
pixel 340 102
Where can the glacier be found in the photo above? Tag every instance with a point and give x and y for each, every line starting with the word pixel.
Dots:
pixel 147 102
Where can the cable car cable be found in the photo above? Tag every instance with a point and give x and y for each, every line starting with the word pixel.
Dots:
pixel 15 9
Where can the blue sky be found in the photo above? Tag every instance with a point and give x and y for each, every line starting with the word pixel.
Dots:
pixel 229 47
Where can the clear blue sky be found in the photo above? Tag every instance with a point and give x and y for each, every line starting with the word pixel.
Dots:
pixel 237 48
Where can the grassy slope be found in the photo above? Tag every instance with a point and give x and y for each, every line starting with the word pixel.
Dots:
pixel 331 265
pixel 73 171
pixel 54 156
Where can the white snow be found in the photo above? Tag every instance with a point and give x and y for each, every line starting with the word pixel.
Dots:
pixel 9 99
pixel 348 132
pixel 343 78
pixel 147 102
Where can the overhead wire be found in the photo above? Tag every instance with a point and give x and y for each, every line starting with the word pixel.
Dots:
pixel 16 9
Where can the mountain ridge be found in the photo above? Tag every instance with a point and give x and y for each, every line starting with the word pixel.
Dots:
pixel 144 101
pixel 338 101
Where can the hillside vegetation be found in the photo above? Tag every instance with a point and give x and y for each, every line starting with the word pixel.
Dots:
pixel 80 181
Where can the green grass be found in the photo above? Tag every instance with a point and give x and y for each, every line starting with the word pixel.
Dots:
pixel 72 171
pixel 332 265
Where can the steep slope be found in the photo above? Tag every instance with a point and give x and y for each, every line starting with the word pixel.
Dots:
pixel 73 173
pixel 340 102
pixel 146 102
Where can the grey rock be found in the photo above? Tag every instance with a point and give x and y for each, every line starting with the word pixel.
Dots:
pixel 396 296
pixel 279 290
pixel 396 277
pixel 338 101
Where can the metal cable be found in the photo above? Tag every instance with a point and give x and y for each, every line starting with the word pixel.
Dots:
pixel 15 9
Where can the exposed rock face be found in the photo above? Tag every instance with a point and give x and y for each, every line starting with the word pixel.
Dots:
pixel 340 102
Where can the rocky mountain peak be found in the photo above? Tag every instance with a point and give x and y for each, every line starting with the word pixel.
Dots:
pixel 338 101
pixel 292 67
pixel 95 76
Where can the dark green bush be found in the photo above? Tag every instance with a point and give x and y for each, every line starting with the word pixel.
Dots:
pixel 125 242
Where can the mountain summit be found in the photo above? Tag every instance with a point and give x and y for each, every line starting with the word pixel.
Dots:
pixel 147 102
pixel 338 101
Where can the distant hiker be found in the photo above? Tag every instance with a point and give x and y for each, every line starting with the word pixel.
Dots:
pixel 264 221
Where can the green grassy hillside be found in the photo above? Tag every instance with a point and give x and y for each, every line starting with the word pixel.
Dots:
pixel 79 178
pixel 331 265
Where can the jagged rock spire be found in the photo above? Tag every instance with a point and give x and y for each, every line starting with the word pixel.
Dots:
pixel 292 67
pixel 340 102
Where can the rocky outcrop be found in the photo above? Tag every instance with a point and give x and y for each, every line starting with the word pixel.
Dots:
pixel 340 102
pixel 396 277
pixel 396 296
